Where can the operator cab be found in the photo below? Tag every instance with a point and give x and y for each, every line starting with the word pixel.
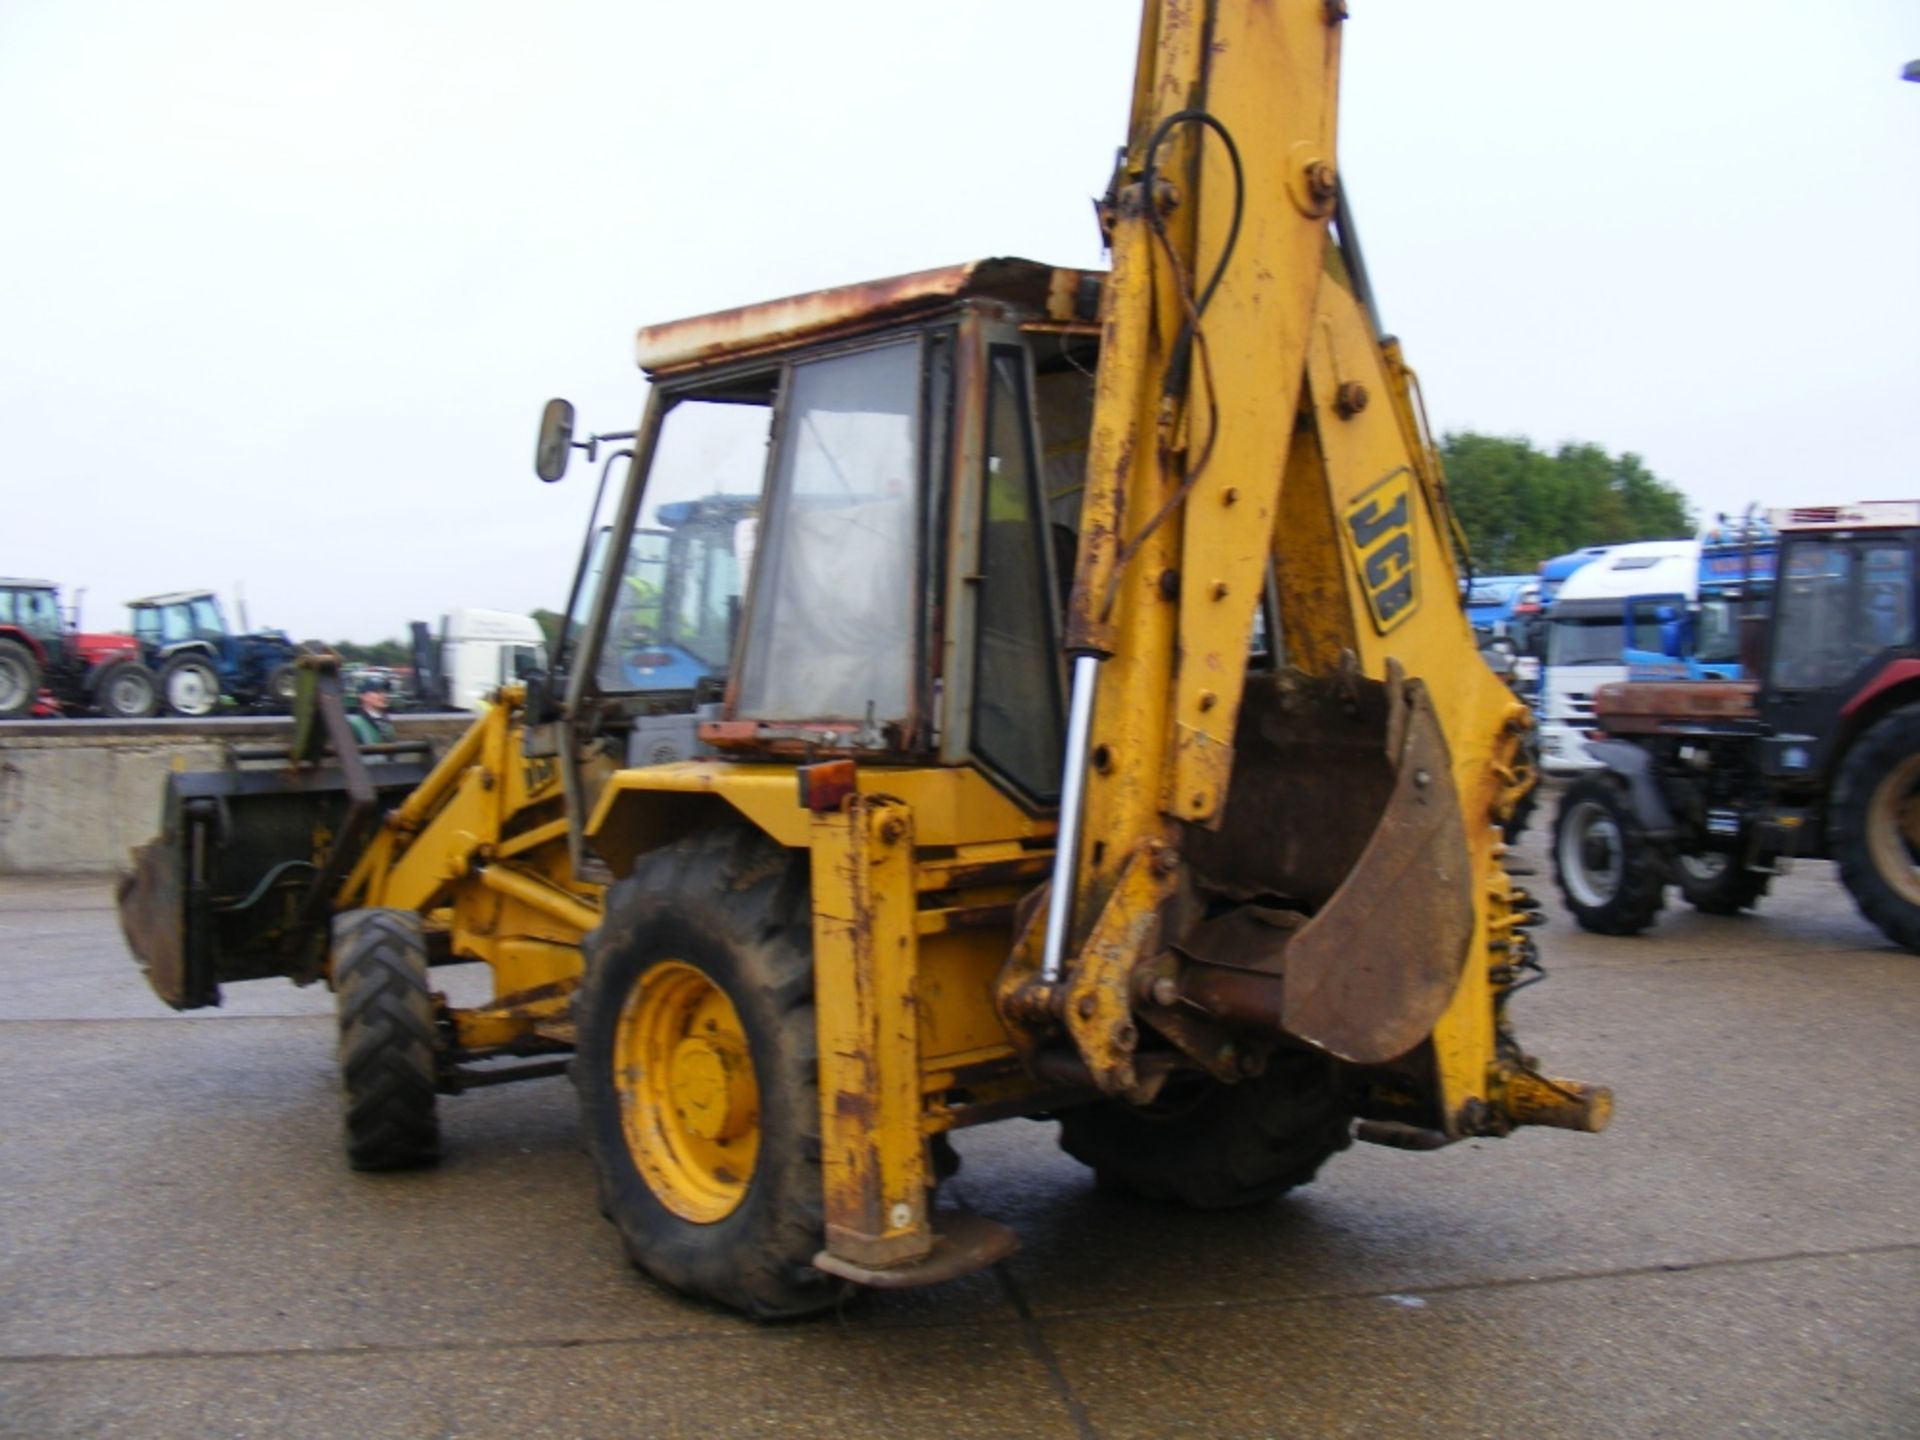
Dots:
pixel 849 526
pixel 33 607
pixel 1844 611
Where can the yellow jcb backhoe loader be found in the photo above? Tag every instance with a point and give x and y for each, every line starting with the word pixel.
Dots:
pixel 1094 731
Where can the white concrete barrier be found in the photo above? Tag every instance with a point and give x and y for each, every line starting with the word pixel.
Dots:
pixel 77 795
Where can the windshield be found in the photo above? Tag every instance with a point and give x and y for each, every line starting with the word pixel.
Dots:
pixel 1586 640
pixel 34 611
pixel 521 662
pixel 207 620
pixel 1716 632
pixel 1839 605
pixel 673 619
pixel 832 631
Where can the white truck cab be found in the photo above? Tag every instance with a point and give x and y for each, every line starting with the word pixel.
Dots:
pixel 481 650
pixel 1602 607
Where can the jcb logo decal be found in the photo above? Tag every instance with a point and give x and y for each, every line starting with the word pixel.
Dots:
pixel 538 773
pixel 1379 531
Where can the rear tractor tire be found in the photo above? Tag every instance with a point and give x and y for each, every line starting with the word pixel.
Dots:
pixel 388 1041
pixel 283 684
pixel 19 680
pixel 1876 826
pixel 697 1068
pixel 1214 1146
pixel 190 687
pixel 126 690
pixel 1609 873
pixel 1718 884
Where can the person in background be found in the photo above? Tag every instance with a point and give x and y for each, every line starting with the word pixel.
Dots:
pixel 371 725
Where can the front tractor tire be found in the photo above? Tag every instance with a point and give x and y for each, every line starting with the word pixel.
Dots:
pixel 1213 1146
pixel 388 1064
pixel 126 690
pixel 1876 826
pixel 697 1069
pixel 282 687
pixel 1609 873
pixel 190 687
pixel 1717 884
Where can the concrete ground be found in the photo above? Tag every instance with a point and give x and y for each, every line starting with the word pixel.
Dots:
pixel 183 1252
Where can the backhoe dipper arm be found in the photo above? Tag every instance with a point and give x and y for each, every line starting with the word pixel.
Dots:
pixel 1308 856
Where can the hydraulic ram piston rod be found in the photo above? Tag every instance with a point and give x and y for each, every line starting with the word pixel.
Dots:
pixel 1073 786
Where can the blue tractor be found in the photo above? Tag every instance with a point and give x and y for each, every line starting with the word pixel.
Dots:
pixel 675 617
pixel 185 641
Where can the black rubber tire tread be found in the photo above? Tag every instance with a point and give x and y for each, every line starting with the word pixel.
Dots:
pixel 737 906
pixel 1870 762
pixel 181 662
pixel 387 1039
pixel 105 681
pixel 283 675
pixel 1220 1148
pixel 14 654
pixel 1733 890
pixel 1642 891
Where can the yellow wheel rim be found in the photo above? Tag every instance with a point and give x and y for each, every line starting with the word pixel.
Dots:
pixel 1893 828
pixel 689 1103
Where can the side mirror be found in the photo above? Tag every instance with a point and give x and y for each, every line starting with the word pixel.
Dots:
pixel 1673 633
pixel 556 441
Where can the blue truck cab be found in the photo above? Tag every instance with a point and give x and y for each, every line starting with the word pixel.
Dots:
pixel 1701 640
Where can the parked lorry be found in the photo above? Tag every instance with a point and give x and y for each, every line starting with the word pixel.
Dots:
pixel 1702 640
pixel 1555 572
pixel 185 642
pixel 1007 814
pixel 47 660
pixel 1715 786
pixel 1613 602
pixel 1492 603
pixel 481 650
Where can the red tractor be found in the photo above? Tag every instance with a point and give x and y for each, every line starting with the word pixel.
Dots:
pixel 49 666
pixel 1715 786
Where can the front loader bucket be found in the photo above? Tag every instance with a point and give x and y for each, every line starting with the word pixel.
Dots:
pixel 240 881
pixel 1340 879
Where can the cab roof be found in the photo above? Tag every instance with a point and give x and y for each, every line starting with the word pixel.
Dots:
pixel 7 583
pixel 172 597
pixel 1049 291
pixel 1865 515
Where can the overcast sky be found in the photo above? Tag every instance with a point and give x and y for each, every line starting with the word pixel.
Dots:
pixel 284 287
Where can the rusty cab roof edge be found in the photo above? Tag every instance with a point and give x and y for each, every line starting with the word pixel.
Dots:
pixel 1058 293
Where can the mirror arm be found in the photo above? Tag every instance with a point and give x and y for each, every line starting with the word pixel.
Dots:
pixel 593 443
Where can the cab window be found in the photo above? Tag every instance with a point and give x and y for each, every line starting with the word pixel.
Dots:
pixel 1016 687
pixel 832 631
pixel 1839 604
pixel 207 620
pixel 677 604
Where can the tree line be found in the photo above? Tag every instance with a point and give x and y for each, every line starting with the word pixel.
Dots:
pixel 1520 505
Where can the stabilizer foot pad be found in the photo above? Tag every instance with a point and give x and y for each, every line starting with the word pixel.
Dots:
pixel 962 1243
